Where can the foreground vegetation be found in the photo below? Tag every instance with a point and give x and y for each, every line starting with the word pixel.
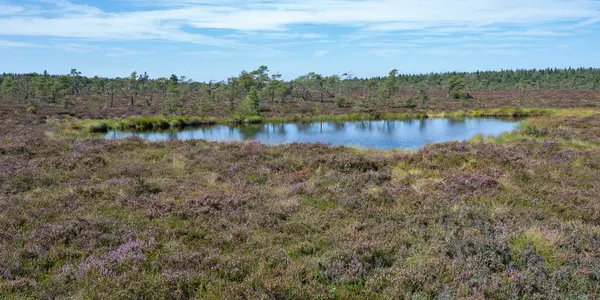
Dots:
pixel 514 216
pixel 505 217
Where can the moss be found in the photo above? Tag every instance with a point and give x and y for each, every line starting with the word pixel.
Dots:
pixel 149 123
pixel 542 241
pixel 419 258
pixel 477 139
pixel 153 155
pixel 178 165
pixel 319 203
pixel 307 248
pixel 403 172
pixel 253 120
pixel 97 127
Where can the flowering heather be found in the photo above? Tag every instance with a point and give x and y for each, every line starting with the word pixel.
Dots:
pixel 119 181
pixel 509 217
pixel 132 251
pixel 393 191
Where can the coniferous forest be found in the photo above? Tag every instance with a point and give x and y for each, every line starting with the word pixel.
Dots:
pixel 177 95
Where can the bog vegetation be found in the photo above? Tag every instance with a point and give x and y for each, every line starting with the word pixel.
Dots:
pixel 259 92
pixel 514 216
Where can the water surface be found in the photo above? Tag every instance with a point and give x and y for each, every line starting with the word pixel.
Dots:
pixel 407 134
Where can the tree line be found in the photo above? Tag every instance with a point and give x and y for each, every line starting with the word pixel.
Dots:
pixel 247 90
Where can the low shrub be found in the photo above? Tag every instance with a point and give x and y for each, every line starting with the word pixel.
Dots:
pixel 342 101
pixel 534 130
pixel 98 127
pixel 32 109
pixel 409 103
pixel 253 120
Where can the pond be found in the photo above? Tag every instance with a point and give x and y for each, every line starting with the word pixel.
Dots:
pixel 406 134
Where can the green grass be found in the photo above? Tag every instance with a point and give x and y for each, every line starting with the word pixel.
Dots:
pixel 142 123
pixel 159 122
pixel 319 203
pixel 97 127
pixel 542 242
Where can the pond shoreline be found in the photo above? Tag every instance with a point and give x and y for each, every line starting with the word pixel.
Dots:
pixel 179 122
pixel 371 134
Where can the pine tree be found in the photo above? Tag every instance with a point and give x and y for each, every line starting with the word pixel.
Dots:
pixel 173 97
pixel 250 106
pixel 254 99
pixel 10 89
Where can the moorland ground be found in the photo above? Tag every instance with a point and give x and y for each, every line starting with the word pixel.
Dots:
pixel 97 108
pixel 505 217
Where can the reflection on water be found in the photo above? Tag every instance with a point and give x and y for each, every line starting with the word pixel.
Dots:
pixel 409 134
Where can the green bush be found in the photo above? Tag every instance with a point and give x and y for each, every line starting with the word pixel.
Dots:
pixel 254 99
pixel 254 120
pixel 458 94
pixel 534 130
pixel 98 127
pixel 342 101
pixel 409 102
pixel 249 107
pixel 423 96
pixel 457 88
pixel 32 109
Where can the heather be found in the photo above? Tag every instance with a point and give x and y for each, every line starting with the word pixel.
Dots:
pixel 515 216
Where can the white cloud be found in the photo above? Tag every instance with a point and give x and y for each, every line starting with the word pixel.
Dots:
pixel 388 44
pixel 398 26
pixel 187 20
pixel 15 44
pixel 71 47
pixel 64 6
pixel 488 48
pixel 533 33
pixel 320 53
pixel 588 22
pixel 76 48
pixel 6 9
pixel 236 53
pixel 494 46
pixel 213 53
pixel 292 35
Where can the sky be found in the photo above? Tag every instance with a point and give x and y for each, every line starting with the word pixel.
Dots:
pixel 215 39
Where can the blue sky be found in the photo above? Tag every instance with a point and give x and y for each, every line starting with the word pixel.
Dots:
pixel 215 39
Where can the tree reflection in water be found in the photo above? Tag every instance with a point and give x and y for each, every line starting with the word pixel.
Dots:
pixel 409 134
